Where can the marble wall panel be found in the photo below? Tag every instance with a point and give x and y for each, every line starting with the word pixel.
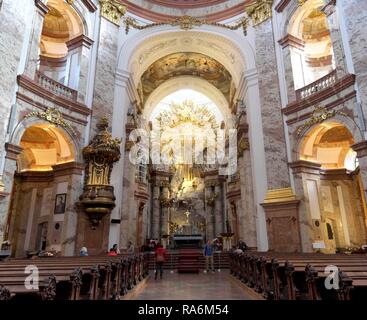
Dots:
pixel 274 140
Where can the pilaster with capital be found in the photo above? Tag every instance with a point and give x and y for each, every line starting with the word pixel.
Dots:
pixel 210 202
pixel 79 59
pixel 165 210
pixel 35 39
pixel 361 149
pixel 292 50
pixel 332 14
pixel 107 55
pixel 270 102
pixel 156 221
pixel 353 14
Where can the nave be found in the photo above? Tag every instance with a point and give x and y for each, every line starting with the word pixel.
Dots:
pixel 188 286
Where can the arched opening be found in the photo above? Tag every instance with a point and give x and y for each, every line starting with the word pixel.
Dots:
pixel 42 194
pixel 165 62
pixel 314 57
pixel 334 193
pixel 44 146
pixel 329 145
pixel 61 24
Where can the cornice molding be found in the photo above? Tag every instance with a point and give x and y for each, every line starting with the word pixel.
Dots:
pixel 32 86
pixel 79 41
pixel 12 151
pixel 43 9
pixel 360 148
pixel 282 5
pixel 90 5
pixel 293 41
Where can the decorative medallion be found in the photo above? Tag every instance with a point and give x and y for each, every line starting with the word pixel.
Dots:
pixel 52 115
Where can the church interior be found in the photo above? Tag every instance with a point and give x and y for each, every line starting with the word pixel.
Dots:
pixel 231 134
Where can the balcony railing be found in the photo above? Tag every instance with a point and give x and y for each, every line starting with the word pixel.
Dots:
pixel 314 87
pixel 56 87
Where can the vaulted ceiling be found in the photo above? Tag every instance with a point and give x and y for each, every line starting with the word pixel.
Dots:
pixel 186 64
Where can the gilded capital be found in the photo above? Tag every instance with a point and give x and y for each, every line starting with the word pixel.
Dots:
pixel 112 10
pixel 259 11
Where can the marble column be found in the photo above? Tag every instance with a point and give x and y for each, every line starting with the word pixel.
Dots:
pixel 336 38
pixel 210 203
pixel 246 207
pixel 75 187
pixel 165 210
pixel 104 85
pixel 218 211
pixel 15 25
pixel 78 65
pixel 127 201
pixel 10 167
pixel 35 39
pixel 361 149
pixel 306 227
pixel 353 21
pixel 155 227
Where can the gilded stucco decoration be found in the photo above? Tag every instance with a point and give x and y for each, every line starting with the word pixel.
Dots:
pixel 187 112
pixel 185 23
pixel 112 10
pixel 53 116
pixel 186 64
pixel 259 11
pixel 319 115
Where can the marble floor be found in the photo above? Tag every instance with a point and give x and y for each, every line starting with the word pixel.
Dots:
pixel 202 286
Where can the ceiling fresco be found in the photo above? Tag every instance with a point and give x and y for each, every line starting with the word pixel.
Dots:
pixel 186 64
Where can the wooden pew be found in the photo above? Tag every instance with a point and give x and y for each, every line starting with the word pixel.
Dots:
pixel 298 276
pixel 102 277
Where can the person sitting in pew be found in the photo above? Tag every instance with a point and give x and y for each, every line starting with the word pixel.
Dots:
pixel 83 252
pixel 114 251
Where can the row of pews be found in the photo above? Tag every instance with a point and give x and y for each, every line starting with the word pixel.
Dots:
pixel 72 278
pixel 298 276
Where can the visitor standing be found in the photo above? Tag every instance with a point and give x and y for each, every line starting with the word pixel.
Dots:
pixel 208 254
pixel 160 258
pixel 130 249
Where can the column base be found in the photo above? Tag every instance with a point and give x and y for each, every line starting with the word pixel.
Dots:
pixel 281 213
